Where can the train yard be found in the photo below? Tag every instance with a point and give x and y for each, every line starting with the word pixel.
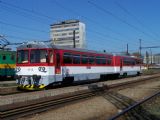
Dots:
pixel 16 105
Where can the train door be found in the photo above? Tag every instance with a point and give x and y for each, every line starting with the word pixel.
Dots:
pixel 57 63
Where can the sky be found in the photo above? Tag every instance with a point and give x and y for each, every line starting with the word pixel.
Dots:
pixel 110 24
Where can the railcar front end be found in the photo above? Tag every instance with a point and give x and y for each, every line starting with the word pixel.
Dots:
pixel 34 67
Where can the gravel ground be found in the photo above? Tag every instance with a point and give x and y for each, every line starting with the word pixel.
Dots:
pixel 96 108
pixel 141 91
pixel 153 106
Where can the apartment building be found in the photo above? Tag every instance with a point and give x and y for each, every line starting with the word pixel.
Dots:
pixel 62 33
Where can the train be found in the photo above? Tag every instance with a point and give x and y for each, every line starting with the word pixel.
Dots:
pixel 40 65
pixel 7 64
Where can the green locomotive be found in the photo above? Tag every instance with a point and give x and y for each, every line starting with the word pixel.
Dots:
pixel 7 64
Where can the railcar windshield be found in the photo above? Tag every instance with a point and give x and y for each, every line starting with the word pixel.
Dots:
pixel 22 56
pixel 38 56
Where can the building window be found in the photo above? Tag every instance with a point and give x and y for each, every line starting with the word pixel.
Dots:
pixel 63 34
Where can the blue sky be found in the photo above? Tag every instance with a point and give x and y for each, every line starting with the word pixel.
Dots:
pixel 110 24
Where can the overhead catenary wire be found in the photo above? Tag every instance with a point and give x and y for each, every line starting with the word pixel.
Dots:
pixel 136 19
pixel 27 10
pixel 23 27
pixel 118 18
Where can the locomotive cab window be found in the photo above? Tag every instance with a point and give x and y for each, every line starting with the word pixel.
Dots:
pixel 38 56
pixel 3 57
pixel 12 57
pixel 22 56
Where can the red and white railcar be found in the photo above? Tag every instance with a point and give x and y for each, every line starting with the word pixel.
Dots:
pixel 40 65
pixel 127 65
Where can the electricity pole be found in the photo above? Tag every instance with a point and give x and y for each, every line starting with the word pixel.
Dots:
pixel 140 47
pixel 127 49
pixel 74 41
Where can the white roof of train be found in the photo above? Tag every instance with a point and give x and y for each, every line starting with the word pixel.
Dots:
pixel 40 45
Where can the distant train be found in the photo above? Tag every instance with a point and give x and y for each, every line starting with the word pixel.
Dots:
pixel 40 65
pixel 7 64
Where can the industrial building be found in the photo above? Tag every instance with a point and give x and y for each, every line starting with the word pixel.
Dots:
pixel 63 33
pixel 152 59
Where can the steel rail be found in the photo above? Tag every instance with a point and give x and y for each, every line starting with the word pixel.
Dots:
pixel 134 106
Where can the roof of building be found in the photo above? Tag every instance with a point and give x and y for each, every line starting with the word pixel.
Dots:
pixel 65 22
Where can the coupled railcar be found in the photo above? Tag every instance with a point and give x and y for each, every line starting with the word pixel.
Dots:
pixel 40 65
pixel 7 64
pixel 127 65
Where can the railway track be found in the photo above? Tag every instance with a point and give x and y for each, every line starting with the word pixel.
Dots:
pixel 13 113
pixel 22 109
pixel 132 110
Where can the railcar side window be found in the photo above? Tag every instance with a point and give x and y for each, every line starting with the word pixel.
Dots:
pixel 129 62
pixel 138 62
pixel 67 58
pixel 101 60
pixel 22 56
pixel 84 59
pixel 91 60
pixel 76 59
